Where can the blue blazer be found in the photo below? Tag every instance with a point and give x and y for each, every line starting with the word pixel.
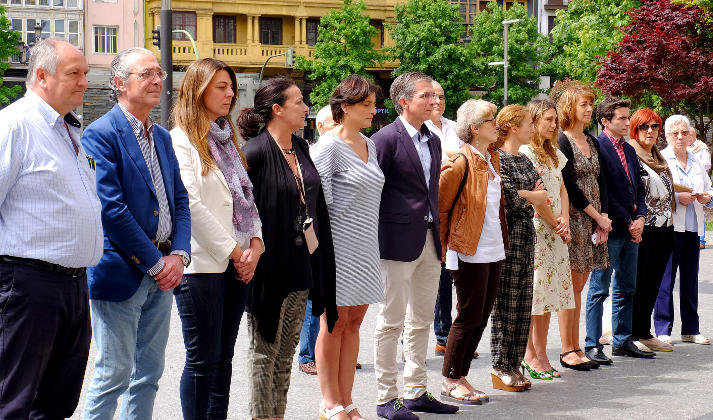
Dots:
pixel 626 199
pixel 405 199
pixel 130 206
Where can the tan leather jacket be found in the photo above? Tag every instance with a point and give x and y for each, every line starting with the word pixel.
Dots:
pixel 462 232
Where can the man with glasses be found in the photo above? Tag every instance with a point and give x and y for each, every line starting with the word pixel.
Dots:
pixel 410 157
pixel 146 241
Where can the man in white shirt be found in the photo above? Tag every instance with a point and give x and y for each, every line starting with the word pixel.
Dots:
pixel 50 231
pixel 700 150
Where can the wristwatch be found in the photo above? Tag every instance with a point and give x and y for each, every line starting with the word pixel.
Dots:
pixel 186 260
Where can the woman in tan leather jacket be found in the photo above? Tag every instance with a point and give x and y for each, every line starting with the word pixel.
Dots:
pixel 472 232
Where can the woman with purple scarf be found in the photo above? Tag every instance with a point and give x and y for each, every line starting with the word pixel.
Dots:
pixel 226 235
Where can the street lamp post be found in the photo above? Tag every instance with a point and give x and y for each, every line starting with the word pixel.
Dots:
pixel 166 61
pixel 504 63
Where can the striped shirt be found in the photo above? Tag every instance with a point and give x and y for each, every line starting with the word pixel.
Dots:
pixel 619 147
pixel 49 209
pixel 352 190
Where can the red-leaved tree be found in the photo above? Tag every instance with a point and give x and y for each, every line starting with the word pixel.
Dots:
pixel 667 52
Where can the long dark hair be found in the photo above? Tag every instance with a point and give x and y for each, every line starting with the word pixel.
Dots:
pixel 270 92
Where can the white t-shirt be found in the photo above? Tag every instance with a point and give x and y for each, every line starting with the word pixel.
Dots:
pixel 447 134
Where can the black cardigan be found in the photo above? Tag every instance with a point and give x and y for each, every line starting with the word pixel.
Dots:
pixel 276 198
pixel 576 196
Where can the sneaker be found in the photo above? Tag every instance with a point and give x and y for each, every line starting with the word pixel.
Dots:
pixel 309 368
pixel 395 410
pixel 697 338
pixel 656 345
pixel 426 403
pixel 665 338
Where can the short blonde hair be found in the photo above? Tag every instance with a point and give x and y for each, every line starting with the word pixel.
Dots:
pixel 472 112
pixel 565 94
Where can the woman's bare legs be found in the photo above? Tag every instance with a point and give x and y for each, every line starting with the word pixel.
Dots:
pixel 536 352
pixel 569 321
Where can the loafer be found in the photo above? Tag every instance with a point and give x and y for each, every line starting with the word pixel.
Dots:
pixel 395 410
pixel 656 345
pixel 597 356
pixel 309 368
pixel 426 403
pixel 629 349
pixel 697 338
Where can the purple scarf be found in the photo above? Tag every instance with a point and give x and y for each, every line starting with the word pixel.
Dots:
pixel 246 221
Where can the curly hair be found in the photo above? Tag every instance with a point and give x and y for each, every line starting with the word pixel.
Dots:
pixel 565 95
pixel 545 149
pixel 508 118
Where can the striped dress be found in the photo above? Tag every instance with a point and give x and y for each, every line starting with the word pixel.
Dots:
pixel 352 190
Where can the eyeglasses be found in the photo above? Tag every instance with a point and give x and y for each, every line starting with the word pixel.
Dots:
pixel 645 127
pixel 426 95
pixel 149 74
pixel 678 134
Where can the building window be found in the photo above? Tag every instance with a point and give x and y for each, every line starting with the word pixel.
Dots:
pixel 224 29
pixel 59 28
pixel 30 2
pixel 185 21
pixel 44 2
pixel 270 31
pixel 105 39
pixel 30 28
pixel 379 25
pixel 16 2
pixel 16 26
pixel 73 32
pixel 312 26
pixel 73 4
pixel 58 3
pixel 3 1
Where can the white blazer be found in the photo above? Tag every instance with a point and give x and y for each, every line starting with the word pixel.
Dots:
pixel 212 233
pixel 701 183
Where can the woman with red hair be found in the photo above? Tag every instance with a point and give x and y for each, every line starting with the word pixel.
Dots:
pixel 657 239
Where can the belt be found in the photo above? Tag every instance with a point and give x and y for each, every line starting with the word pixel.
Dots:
pixel 44 265
pixel 163 246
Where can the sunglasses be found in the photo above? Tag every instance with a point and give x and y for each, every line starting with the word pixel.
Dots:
pixel 646 127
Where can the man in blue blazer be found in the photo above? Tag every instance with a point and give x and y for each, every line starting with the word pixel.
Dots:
pixel 147 233
pixel 410 157
pixel 627 210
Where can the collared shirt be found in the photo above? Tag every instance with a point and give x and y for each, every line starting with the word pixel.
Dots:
pixel 420 142
pixel 144 136
pixel 49 209
pixel 619 147
pixel 450 141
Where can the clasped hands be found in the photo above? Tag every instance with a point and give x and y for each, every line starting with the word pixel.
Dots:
pixel 686 198
pixel 245 262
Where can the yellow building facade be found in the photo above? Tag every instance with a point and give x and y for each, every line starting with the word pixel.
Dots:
pixel 245 33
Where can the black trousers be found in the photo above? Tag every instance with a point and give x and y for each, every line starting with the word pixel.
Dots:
pixel 654 252
pixel 45 333
pixel 476 289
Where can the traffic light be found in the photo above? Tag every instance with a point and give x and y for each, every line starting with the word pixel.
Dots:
pixel 157 37
pixel 290 57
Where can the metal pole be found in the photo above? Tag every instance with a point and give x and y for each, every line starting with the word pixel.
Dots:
pixel 166 61
pixel 505 65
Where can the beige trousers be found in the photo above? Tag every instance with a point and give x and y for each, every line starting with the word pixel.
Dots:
pixel 410 290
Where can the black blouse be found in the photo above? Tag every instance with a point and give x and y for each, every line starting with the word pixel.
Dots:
pixel 286 266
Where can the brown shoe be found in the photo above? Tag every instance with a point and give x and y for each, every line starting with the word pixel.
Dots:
pixel 358 365
pixel 309 368
pixel 475 355
pixel 440 350
pixel 656 345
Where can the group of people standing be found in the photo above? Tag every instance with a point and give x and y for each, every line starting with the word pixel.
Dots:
pixel 511 210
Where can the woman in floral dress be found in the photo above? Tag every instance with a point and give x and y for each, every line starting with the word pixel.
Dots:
pixel 552 285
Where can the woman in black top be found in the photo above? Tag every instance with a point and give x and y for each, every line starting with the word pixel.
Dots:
pixel 587 193
pixel 299 257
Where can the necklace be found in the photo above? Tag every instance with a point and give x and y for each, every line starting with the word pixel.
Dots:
pixel 290 151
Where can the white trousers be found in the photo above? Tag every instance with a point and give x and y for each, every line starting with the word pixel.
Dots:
pixel 410 290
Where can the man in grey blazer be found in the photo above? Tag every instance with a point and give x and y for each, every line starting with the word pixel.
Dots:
pixel 410 157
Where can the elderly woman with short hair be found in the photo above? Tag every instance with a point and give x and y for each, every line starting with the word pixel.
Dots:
pixel 693 191
pixel 472 231
pixel 657 238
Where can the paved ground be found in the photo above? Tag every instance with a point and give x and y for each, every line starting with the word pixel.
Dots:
pixel 674 385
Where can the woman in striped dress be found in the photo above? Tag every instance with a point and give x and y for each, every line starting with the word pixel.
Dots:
pixel 352 182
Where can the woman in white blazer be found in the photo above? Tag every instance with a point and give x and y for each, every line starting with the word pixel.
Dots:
pixel 226 239
pixel 693 190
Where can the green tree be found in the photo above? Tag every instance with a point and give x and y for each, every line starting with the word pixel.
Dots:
pixel 8 43
pixel 583 35
pixel 343 48
pixel 526 51
pixel 427 39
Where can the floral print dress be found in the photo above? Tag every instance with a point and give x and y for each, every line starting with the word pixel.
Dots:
pixel 552 284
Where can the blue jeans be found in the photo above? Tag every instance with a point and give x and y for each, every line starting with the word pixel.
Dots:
pixel 623 257
pixel 444 303
pixel 308 336
pixel 130 337
pixel 210 306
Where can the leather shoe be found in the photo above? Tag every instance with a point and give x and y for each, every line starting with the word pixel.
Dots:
pixel 596 355
pixel 426 403
pixel 630 349
pixel 395 410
